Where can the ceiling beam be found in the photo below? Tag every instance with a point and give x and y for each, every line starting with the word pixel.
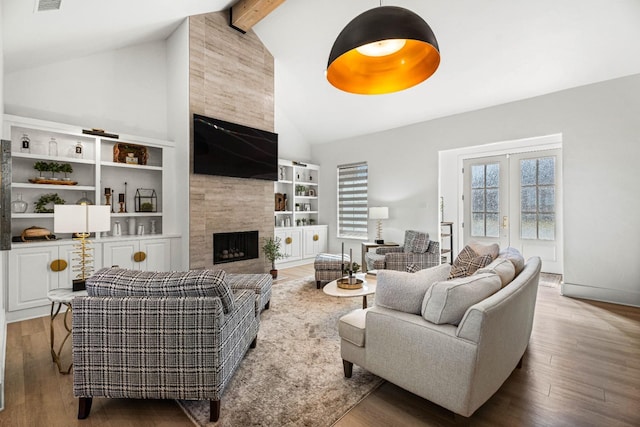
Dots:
pixel 244 14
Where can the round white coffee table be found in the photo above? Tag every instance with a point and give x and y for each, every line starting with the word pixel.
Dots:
pixel 368 288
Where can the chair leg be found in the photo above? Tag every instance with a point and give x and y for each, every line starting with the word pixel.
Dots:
pixel 214 410
pixel 318 284
pixel 267 305
pixel 254 343
pixel 347 367
pixel 84 407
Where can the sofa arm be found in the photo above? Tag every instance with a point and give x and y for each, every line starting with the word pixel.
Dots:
pixel 382 250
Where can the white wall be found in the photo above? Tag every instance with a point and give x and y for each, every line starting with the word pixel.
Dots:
pixel 291 144
pixel 122 91
pixel 178 124
pixel 601 145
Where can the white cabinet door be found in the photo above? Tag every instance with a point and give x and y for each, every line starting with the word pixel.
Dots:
pixel 30 277
pixel 291 243
pixel 315 241
pixel 146 255
pixel 158 255
pixel 120 254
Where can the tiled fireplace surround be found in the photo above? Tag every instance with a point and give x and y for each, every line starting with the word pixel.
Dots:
pixel 230 78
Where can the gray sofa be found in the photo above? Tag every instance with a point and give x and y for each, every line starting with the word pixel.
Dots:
pixel 175 335
pixel 461 356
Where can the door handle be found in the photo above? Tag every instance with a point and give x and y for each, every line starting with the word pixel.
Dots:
pixel 505 222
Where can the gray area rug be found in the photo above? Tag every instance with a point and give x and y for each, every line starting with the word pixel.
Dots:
pixel 294 376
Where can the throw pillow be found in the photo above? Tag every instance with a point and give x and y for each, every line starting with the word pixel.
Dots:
pixel 412 268
pixel 420 243
pixel 403 291
pixel 503 268
pixel 409 237
pixel 467 262
pixel 447 301
pixel 485 249
pixel 513 255
pixel 192 283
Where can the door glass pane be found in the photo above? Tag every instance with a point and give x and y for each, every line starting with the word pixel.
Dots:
pixel 477 200
pixel 477 176
pixel 547 171
pixel 493 201
pixel 547 199
pixel 528 172
pixel 493 225
pixel 493 175
pixel 528 199
pixel 528 226
pixel 477 224
pixel 547 227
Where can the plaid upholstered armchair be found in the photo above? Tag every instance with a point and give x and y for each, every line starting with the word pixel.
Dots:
pixel 147 335
pixel 417 253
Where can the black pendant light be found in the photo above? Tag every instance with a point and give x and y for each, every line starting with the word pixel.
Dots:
pixel 383 50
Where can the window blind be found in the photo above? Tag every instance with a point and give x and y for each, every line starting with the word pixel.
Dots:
pixel 352 200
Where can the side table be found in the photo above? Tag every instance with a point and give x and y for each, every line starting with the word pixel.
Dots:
pixel 62 296
pixel 369 245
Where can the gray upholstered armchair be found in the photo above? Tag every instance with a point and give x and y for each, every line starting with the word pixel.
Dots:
pixel 160 336
pixel 417 253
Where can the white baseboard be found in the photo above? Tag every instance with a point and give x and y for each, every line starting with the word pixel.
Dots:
pixel 615 296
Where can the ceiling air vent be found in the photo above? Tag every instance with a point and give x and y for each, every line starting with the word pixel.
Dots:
pixel 44 5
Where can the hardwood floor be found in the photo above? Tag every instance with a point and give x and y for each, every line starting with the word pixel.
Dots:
pixel 582 368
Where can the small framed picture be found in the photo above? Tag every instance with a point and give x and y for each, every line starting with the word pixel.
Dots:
pixel 312 192
pixel 307 206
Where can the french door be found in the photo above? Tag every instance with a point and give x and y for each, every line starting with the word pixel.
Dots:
pixel 515 200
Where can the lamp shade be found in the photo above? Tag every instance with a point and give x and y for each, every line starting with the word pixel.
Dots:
pixel 383 50
pixel 379 213
pixel 81 218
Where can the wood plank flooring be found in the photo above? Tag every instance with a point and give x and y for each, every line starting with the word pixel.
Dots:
pixel 582 368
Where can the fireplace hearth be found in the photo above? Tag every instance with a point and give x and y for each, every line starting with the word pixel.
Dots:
pixel 235 246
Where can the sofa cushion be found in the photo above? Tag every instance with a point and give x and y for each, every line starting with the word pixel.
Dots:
pixel 404 291
pixel 503 268
pixel 468 261
pixel 513 255
pixel 351 327
pixel 123 282
pixel 447 301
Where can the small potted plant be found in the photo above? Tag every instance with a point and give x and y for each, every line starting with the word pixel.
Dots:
pixel 66 169
pixel 272 252
pixel 54 168
pixel 41 167
pixel 300 190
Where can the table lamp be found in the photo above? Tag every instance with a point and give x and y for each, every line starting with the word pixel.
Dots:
pixel 379 213
pixel 82 220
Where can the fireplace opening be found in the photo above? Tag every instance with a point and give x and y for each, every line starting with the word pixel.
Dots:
pixel 235 246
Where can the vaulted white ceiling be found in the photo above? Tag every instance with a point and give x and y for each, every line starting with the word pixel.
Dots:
pixel 493 51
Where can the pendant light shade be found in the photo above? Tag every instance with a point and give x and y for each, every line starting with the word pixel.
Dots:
pixel 383 50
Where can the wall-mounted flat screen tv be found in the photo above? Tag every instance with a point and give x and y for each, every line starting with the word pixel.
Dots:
pixel 228 149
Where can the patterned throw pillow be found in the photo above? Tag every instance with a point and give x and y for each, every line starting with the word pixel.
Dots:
pixel 467 262
pixel 412 268
pixel 420 243
pixel 409 237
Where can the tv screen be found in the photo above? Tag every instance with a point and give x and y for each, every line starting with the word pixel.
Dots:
pixel 228 149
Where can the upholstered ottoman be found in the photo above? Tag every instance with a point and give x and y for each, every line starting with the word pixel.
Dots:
pixel 329 267
pixel 259 283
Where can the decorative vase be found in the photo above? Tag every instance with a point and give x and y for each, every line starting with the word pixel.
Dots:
pixel 19 205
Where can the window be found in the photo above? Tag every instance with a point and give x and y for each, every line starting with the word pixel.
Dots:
pixel 352 200
pixel 538 198
pixel 485 200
